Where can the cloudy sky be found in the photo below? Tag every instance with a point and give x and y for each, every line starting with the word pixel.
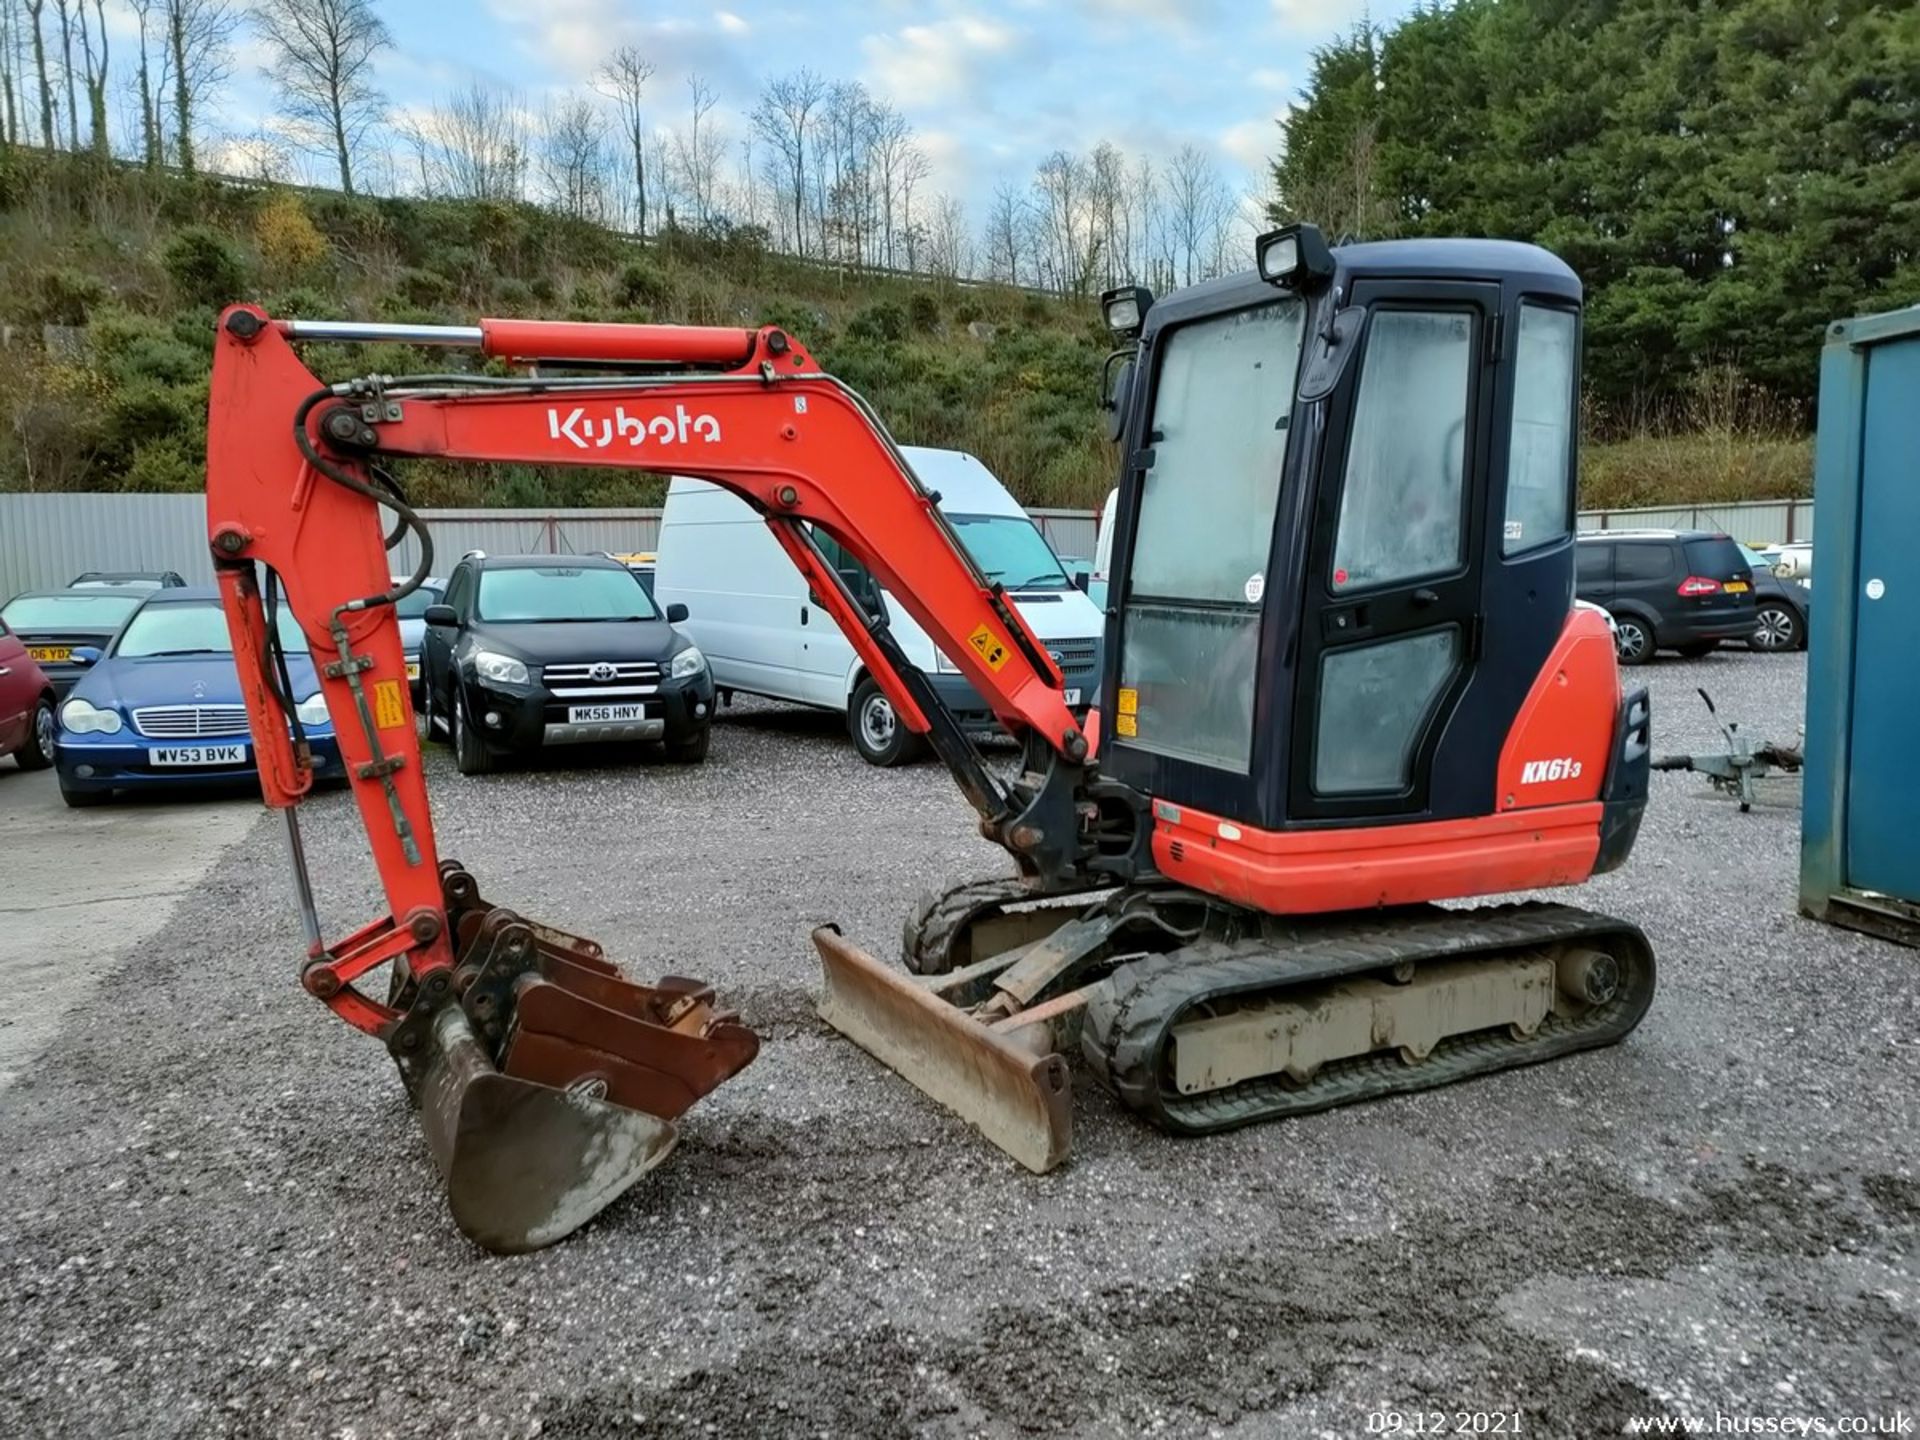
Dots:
pixel 991 85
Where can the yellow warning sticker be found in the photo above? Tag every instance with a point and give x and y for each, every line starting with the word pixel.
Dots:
pixel 1129 704
pixel 990 648
pixel 389 710
pixel 1127 725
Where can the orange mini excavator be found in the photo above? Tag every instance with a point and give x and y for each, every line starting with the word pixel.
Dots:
pixel 1345 679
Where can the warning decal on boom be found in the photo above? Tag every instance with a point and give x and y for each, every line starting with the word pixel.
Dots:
pixel 991 650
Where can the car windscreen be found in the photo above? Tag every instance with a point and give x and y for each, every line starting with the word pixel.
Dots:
pixel 101 613
pixel 1717 558
pixel 1010 550
pixel 193 627
pixel 414 606
pixel 563 593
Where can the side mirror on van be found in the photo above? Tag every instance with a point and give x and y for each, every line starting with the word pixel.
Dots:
pixel 441 615
pixel 676 612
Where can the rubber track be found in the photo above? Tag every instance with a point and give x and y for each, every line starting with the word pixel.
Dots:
pixel 1130 1017
pixel 926 940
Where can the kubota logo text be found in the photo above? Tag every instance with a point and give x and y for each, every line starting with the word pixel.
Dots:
pixel 1534 771
pixel 598 432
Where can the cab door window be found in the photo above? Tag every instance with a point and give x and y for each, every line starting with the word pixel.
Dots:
pixel 1197 576
pixel 1540 445
pixel 1404 491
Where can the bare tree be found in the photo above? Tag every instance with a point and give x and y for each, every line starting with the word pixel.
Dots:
pixel 697 152
pixel 623 79
pixel 783 118
pixel 323 69
pixel 147 94
pixel 96 76
pixel 890 146
pixel 949 246
pixel 9 70
pixel 1060 188
pixel 913 169
pixel 573 158
pixel 34 9
pixel 199 47
pixel 1198 206
pixel 472 146
pixel 1008 230
pixel 66 9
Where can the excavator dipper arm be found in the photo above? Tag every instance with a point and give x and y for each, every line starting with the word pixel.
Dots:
pixel 538 1124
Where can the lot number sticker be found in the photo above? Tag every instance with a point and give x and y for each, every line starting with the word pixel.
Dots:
pixel 388 711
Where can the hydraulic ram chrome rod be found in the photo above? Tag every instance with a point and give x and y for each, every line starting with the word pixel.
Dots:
pixel 584 341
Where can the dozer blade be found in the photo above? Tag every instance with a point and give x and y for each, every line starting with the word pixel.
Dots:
pixel 525 1164
pixel 1019 1100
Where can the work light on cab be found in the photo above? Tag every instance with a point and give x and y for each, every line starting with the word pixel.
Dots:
pixel 1126 309
pixel 1295 256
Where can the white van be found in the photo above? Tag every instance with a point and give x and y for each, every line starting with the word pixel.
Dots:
pixel 749 611
pixel 1103 550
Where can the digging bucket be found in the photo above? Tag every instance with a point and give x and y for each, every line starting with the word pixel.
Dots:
pixel 526 1164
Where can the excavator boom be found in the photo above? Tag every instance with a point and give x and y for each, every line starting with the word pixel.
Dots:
pixel 547 1081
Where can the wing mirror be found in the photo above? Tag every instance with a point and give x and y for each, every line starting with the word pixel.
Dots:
pixel 441 615
pixel 1081 580
pixel 86 655
pixel 1115 393
pixel 676 612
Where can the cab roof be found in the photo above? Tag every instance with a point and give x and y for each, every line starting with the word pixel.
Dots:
pixel 1511 262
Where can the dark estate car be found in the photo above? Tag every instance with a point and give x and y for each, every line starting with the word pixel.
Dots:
pixel 52 624
pixel 1684 590
pixel 136 580
pixel 534 650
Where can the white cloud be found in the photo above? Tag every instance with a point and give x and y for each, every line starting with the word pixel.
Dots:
pixel 922 65
pixel 1252 143
pixel 1269 79
pixel 730 22
pixel 1318 17
pixel 1177 13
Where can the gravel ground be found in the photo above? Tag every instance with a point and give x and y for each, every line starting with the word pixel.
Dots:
pixel 217 1216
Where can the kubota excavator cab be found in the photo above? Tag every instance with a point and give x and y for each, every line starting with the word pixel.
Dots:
pixel 1345 540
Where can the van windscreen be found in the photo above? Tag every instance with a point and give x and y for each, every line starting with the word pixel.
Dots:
pixel 1008 549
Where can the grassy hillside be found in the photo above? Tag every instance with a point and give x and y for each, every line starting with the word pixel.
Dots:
pixel 110 281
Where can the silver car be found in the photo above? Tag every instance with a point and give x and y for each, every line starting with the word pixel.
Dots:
pixel 413 623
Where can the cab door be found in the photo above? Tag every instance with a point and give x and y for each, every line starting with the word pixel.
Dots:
pixel 1390 635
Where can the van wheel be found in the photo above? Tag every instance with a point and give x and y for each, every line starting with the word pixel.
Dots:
pixel 877 732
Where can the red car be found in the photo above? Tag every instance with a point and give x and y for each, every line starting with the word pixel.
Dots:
pixel 26 705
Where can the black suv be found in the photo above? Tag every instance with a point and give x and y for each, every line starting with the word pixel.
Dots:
pixel 533 650
pixel 1684 590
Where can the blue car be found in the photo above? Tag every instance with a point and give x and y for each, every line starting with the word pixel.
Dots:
pixel 160 707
